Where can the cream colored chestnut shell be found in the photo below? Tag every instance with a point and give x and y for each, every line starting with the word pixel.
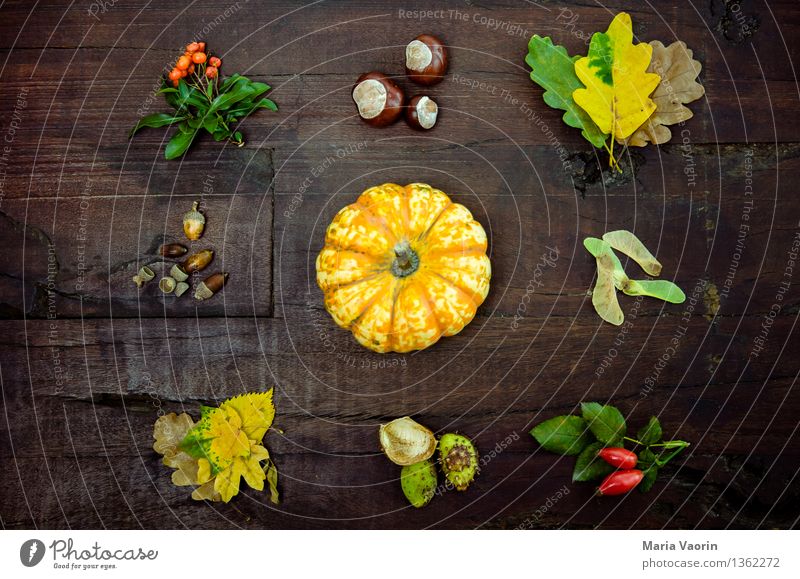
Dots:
pixel 406 442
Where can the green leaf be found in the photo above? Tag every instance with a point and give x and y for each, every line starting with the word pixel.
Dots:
pixel 156 120
pixel 178 144
pixel 654 288
pixel 210 90
pixel 647 459
pixel 589 466
pixel 565 435
pixel 221 134
pixel 554 70
pixel 210 123
pixel 650 433
pixel 230 81
pixel 238 93
pixel 246 108
pixel 605 422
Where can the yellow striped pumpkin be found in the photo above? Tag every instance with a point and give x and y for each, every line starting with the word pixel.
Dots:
pixel 403 266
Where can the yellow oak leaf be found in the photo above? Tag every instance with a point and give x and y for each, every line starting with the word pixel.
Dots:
pixel 678 86
pixel 249 467
pixel 617 93
pixel 256 411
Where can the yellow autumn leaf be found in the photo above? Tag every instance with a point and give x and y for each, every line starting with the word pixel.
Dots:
pixel 249 467
pixel 617 93
pixel 228 440
pixel 678 86
pixel 256 411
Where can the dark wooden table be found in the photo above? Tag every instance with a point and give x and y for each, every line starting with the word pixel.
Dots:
pixel 88 362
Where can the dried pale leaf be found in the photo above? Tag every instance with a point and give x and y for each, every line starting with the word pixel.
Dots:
pixel 272 481
pixel 618 86
pixel 206 492
pixel 604 295
pixel 678 86
pixel 629 244
pixel 168 432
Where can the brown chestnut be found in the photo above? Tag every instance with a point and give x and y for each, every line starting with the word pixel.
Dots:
pixel 421 112
pixel 426 60
pixel 378 98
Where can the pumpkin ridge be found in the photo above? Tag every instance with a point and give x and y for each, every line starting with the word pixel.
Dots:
pixel 355 281
pixel 398 287
pixel 434 222
pixel 450 283
pixel 367 307
pixel 469 251
pixel 439 330
pixel 378 221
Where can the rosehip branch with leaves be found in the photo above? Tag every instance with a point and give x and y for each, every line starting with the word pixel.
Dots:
pixel 202 100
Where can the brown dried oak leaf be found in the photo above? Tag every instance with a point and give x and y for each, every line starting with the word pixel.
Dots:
pixel 678 86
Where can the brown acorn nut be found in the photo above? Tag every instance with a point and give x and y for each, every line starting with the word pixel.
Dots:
pixel 193 263
pixel 426 60
pixel 193 223
pixel 172 250
pixel 211 285
pixel 422 112
pixel 378 98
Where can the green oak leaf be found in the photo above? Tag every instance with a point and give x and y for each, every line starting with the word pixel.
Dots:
pixel 554 70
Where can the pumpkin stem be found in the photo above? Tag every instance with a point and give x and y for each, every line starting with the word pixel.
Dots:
pixel 406 260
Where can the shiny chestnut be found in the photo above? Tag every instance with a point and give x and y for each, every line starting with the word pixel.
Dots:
pixel 426 60
pixel 378 98
pixel 422 112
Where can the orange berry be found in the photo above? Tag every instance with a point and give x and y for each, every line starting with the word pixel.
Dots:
pixel 201 46
pixel 174 74
pixel 199 57
pixel 183 62
pixel 176 82
pixel 190 70
pixel 192 47
pixel 214 61
pixel 184 73
pixel 211 71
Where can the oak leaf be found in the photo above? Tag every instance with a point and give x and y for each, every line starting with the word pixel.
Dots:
pixel 554 70
pixel 678 86
pixel 618 86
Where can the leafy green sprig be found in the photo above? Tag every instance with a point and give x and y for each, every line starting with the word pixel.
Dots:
pixel 601 426
pixel 206 103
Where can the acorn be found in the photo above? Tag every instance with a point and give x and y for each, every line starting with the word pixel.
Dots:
pixel 421 113
pixel 426 60
pixel 166 285
pixel 144 275
pixel 193 263
pixel 211 285
pixel 172 250
pixel 459 459
pixel 193 223
pixel 378 98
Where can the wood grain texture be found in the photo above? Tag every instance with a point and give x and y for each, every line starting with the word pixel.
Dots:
pixel 88 362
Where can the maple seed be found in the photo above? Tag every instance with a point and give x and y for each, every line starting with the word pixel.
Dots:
pixel 193 223
pixel 459 459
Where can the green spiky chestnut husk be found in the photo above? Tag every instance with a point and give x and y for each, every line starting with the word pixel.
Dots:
pixel 459 460
pixel 419 482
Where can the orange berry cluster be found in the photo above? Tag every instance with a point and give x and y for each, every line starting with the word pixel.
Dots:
pixel 195 55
